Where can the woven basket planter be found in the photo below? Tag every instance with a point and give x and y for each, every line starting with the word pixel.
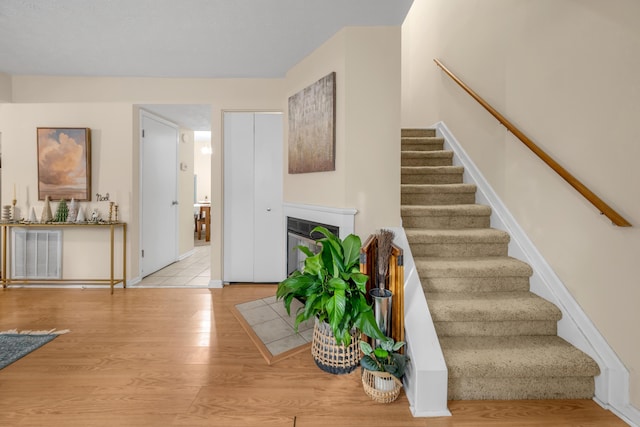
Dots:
pixel 331 357
pixel 382 387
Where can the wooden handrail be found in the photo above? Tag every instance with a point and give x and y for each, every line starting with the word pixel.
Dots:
pixel 604 208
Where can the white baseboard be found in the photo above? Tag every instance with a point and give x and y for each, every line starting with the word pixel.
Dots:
pixel 186 254
pixel 216 284
pixel 612 385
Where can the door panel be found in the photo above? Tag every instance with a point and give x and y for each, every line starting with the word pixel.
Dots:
pixel 269 246
pixel 159 209
pixel 238 197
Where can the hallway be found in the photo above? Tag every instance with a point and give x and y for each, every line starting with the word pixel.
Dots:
pixel 192 272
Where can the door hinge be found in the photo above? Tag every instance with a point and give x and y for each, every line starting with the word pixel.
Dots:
pixel 143 253
pixel 143 133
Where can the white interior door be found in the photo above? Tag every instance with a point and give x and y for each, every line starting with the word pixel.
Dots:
pixel 238 197
pixel 253 221
pixel 159 210
pixel 269 249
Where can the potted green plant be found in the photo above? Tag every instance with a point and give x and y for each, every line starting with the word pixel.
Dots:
pixel 383 369
pixel 333 291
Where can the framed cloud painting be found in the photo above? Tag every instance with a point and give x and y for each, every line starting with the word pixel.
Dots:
pixel 64 163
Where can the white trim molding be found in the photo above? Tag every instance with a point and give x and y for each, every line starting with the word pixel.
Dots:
pixel 343 218
pixel 426 377
pixel 216 284
pixel 612 385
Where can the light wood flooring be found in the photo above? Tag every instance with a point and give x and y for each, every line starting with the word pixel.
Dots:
pixel 178 357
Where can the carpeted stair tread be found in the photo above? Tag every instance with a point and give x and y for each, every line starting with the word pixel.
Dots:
pixel 442 210
pixel 409 132
pixel 475 284
pixel 429 170
pixel 540 388
pixel 422 139
pixel 431 175
pixel 458 188
pixel 442 215
pixel 426 158
pixel 491 307
pixel 469 235
pixel 422 144
pixel 472 267
pixel 469 242
pixel 496 328
pixel 515 356
pixel 427 194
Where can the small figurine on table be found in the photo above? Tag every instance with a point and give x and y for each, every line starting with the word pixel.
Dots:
pixel 95 216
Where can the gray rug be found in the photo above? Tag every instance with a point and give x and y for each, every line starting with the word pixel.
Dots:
pixel 14 345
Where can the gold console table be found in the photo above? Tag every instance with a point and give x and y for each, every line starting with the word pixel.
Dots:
pixel 5 276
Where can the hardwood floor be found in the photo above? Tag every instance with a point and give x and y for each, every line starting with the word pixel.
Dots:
pixel 178 357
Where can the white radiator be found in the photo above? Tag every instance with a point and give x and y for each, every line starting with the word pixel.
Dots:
pixel 36 254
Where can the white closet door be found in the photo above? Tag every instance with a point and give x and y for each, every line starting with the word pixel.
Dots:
pixel 268 265
pixel 238 197
pixel 253 222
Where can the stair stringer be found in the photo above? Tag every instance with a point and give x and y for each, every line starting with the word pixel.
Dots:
pixel 612 385
pixel 426 377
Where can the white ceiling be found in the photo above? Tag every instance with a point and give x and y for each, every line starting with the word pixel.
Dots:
pixel 176 38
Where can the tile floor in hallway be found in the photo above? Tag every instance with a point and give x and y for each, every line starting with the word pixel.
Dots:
pixel 194 271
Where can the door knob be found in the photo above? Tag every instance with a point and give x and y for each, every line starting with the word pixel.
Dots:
pixel 173 203
pixel 268 209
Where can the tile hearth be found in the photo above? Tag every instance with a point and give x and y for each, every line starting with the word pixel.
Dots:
pixel 269 321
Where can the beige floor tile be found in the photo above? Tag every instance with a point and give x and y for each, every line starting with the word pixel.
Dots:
pixel 153 280
pixel 285 344
pixel 178 280
pixel 193 271
pixel 260 314
pixel 273 330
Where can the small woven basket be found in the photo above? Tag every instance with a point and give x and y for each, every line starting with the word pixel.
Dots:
pixel 331 357
pixel 382 387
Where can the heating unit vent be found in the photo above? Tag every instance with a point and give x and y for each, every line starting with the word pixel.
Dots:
pixel 36 254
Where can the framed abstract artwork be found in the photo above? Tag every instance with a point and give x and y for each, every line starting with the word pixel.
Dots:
pixel 312 127
pixel 64 163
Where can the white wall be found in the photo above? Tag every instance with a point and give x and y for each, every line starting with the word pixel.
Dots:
pixel 111 172
pixel 61 96
pixel 367 176
pixel 5 87
pixel 185 191
pixel 566 73
pixel 202 165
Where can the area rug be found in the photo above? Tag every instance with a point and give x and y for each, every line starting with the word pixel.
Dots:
pixel 15 344
pixel 272 330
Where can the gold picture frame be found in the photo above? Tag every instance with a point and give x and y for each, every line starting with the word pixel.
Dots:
pixel 64 163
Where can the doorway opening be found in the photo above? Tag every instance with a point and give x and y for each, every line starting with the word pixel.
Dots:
pixel 190 266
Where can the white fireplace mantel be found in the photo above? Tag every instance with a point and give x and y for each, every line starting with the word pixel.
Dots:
pixel 343 218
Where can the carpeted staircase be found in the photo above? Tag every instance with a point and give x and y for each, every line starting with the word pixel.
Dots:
pixel 499 340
